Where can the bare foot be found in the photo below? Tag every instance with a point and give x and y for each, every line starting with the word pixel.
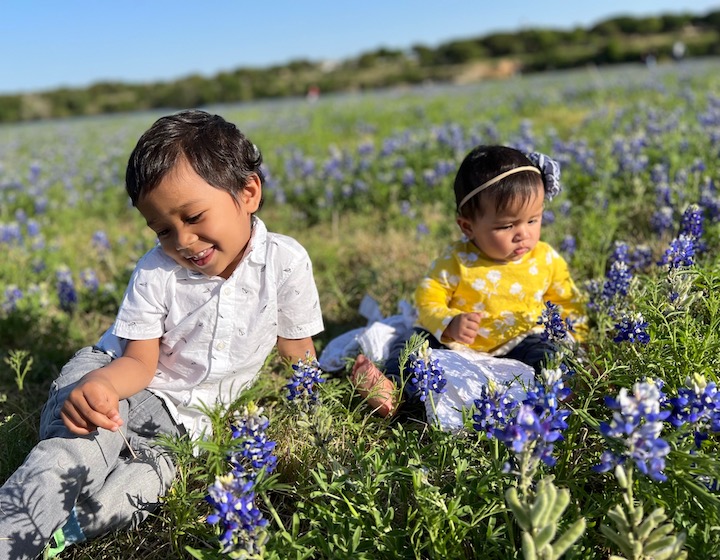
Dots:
pixel 372 385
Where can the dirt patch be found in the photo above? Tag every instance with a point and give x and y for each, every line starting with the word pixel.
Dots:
pixel 502 68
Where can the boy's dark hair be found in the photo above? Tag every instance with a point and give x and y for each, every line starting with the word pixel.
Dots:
pixel 215 148
pixel 484 163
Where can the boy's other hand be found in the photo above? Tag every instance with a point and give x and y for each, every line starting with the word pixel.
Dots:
pixel 92 404
pixel 463 328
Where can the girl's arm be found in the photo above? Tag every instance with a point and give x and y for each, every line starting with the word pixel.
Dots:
pixel 295 349
pixel 94 402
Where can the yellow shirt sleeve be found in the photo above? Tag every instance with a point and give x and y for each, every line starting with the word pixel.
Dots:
pixel 433 295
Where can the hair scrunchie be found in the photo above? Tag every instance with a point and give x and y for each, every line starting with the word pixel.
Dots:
pixel 550 172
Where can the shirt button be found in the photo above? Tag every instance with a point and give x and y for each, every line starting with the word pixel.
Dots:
pixel 227 290
pixel 220 345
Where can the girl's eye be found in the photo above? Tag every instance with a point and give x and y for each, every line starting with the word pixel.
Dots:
pixel 161 234
pixel 194 219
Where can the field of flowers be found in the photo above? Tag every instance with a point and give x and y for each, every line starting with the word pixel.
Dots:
pixel 612 454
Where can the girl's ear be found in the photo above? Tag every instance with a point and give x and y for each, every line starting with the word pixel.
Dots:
pixel 465 226
pixel 251 194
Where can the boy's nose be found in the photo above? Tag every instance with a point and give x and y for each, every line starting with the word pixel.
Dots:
pixel 184 240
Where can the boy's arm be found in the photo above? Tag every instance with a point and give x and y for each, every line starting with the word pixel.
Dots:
pixel 94 402
pixel 295 349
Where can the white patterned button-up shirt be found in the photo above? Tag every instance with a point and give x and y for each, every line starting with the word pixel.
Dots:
pixel 215 334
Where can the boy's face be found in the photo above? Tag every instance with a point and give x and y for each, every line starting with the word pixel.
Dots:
pixel 202 228
pixel 509 234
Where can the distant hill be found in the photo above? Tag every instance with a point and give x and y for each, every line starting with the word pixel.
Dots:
pixel 497 55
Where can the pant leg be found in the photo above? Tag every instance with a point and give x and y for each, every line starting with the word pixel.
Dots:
pixel 38 497
pixel 94 474
pixel 133 489
pixel 533 351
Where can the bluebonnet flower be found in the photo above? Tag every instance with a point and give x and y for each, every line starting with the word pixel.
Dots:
pixel 555 328
pixel 662 220
pixel 698 403
pixel 617 281
pixel 89 280
pixel 493 409
pixel 548 217
pixel 408 177
pixel 13 294
pixel 425 372
pixel 421 230
pixel 10 233
pixel 640 258
pixel 241 522
pixel 33 228
pixel 100 241
pixel 568 245
pixel 305 379
pixel 632 328
pixel 636 425
pixel 681 253
pixel 531 427
pixel 66 289
pixel 691 223
pixel 232 496
pixel 251 443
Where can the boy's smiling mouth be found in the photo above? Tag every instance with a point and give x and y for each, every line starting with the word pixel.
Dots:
pixel 203 257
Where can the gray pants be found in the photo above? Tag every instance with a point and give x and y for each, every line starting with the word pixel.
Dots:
pixel 95 475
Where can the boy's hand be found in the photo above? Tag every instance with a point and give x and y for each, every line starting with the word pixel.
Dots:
pixel 92 404
pixel 463 328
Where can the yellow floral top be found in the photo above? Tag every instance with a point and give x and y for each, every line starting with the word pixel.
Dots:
pixel 510 296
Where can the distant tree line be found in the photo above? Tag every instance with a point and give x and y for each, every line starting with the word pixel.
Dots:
pixel 612 41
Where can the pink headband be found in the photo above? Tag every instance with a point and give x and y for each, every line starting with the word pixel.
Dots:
pixel 494 180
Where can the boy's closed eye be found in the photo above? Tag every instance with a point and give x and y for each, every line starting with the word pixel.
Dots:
pixel 194 219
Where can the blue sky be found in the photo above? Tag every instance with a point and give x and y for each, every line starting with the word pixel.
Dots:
pixel 45 44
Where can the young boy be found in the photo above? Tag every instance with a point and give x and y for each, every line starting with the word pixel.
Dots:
pixel 487 291
pixel 201 313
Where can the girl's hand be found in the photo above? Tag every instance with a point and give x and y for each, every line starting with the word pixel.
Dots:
pixel 463 328
pixel 92 404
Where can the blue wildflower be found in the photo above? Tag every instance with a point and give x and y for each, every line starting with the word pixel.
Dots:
pixel 632 328
pixel 555 328
pixel 425 373
pixel 13 294
pixel 66 289
pixel 89 280
pixel 305 379
pixel 681 252
pixel 493 408
pixel 568 245
pixel 232 496
pixel 698 404
pixel 100 241
pixel 636 425
pixel 531 427
pixel 691 223
pixel 617 280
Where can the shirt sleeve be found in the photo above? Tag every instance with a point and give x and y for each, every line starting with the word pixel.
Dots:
pixel 564 292
pixel 143 308
pixel 433 295
pixel 299 313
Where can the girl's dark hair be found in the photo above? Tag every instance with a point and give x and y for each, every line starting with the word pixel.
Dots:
pixel 216 149
pixel 484 163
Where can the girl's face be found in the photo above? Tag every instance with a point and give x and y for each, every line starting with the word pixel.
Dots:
pixel 509 234
pixel 200 227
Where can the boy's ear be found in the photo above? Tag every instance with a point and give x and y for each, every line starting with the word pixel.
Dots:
pixel 251 194
pixel 465 226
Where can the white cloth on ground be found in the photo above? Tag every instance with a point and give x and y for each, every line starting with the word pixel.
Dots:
pixel 466 370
